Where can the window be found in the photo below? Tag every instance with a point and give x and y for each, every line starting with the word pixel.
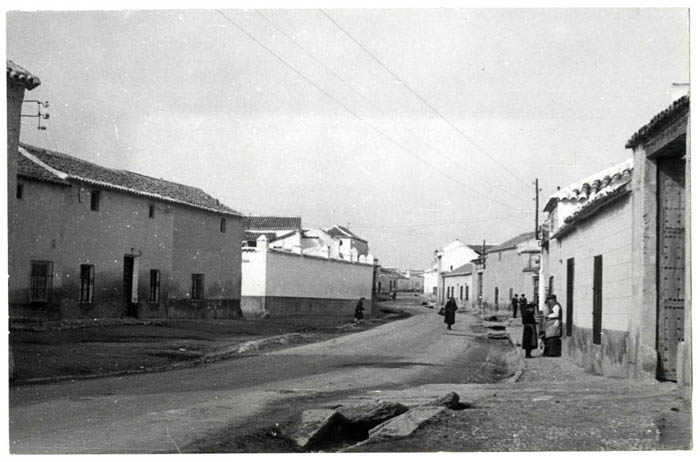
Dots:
pixel 20 190
pixel 87 283
pixel 466 293
pixel 550 290
pixel 510 294
pixel 222 225
pixel 41 281
pixel 151 210
pixel 95 200
pixel 154 288
pixel 597 298
pixel 461 292
pixel 197 286
pixel 495 297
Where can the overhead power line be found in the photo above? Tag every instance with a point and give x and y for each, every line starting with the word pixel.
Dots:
pixel 421 98
pixel 369 101
pixel 353 113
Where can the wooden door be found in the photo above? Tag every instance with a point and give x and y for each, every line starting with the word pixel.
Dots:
pixel 128 284
pixel 670 263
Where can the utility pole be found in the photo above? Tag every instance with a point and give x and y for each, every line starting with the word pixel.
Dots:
pixel 537 208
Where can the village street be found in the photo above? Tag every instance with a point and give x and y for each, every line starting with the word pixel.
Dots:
pixel 167 411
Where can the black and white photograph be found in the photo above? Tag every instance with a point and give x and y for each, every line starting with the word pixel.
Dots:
pixel 352 227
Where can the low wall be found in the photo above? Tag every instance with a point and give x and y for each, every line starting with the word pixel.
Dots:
pixel 279 283
pixel 253 307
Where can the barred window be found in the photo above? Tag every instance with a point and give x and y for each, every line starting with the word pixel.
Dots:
pixel 154 289
pixel 197 286
pixel 87 283
pixel 41 281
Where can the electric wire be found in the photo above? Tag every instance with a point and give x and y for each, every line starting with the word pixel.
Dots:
pixel 353 113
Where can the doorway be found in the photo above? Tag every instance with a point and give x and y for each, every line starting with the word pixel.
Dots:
pixel 128 285
pixel 670 263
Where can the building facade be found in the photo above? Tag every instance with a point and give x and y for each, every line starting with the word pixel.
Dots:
pixel 661 287
pixel 587 264
pixel 89 241
pixel 509 268
pixel 460 284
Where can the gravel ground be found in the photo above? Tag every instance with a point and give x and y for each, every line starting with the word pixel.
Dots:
pixel 557 406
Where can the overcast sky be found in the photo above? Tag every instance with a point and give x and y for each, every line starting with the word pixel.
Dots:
pixel 413 126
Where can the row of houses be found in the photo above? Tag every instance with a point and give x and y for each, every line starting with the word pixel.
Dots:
pixel 86 241
pixel 615 249
pixel 485 276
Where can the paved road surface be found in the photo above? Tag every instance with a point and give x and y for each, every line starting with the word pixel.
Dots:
pixel 163 412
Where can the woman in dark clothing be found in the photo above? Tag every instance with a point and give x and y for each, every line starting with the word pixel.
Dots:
pixel 529 341
pixel 450 310
pixel 359 309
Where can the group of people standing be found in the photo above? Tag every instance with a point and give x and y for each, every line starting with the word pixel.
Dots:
pixel 550 328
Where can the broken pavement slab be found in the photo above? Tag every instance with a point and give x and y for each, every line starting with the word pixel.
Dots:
pixel 372 413
pixel 315 425
pixel 405 424
pixel 450 401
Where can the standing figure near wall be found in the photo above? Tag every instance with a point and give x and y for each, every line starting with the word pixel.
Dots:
pixel 552 331
pixel 359 308
pixel 529 340
pixel 514 303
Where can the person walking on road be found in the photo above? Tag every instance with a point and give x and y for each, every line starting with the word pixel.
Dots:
pixel 552 328
pixel 359 309
pixel 450 310
pixel 514 303
pixel 529 340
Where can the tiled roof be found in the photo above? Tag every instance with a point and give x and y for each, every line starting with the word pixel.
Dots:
pixel 596 202
pixel 78 170
pixel 18 74
pixel 252 236
pixel 581 190
pixel 27 168
pixel 479 248
pixel 342 231
pixel 513 242
pixel 271 223
pixel 465 269
pixel 661 119
pixel 392 273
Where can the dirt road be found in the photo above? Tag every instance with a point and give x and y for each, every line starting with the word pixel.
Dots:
pixel 165 412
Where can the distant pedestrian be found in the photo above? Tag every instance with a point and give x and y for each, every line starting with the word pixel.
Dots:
pixel 522 303
pixel 393 295
pixel 514 303
pixel 552 327
pixel 450 310
pixel 359 309
pixel 529 340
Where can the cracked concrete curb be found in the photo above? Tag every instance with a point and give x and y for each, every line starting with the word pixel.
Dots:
pixel 237 349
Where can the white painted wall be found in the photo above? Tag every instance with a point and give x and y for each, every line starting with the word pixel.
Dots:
pixel 275 273
pixel 609 234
